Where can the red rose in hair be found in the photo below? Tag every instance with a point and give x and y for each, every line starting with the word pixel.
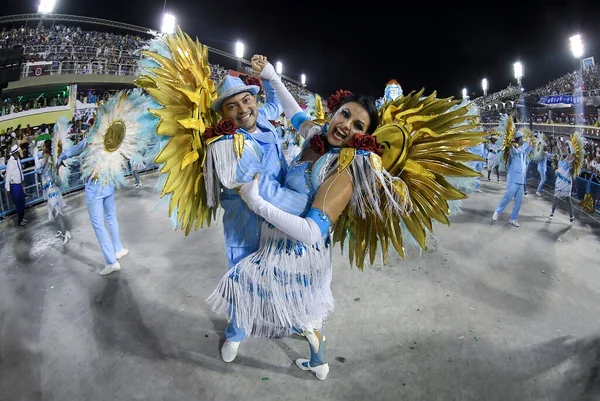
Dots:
pixel 226 127
pixel 253 81
pixel 317 144
pixel 367 142
pixel 334 100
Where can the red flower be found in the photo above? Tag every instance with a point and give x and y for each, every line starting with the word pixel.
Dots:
pixel 367 142
pixel 210 132
pixel 252 81
pixel 334 100
pixel 276 123
pixel 226 127
pixel 317 145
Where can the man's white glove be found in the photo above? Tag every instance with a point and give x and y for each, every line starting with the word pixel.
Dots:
pixel 302 229
pixel 269 72
pixel 289 104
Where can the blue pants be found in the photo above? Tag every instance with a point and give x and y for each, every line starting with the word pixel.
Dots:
pixel 234 255
pixel 542 180
pixel 101 206
pixel 512 191
pixel 18 196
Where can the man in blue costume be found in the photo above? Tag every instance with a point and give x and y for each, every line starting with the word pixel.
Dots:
pixel 515 179
pixel 101 205
pixel 237 101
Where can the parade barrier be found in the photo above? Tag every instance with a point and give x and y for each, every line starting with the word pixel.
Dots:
pixel 32 184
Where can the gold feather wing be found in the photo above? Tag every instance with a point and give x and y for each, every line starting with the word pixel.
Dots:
pixel 319 110
pixel 577 147
pixel 423 142
pixel 179 78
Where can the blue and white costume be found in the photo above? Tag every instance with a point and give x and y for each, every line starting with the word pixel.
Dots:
pixel 542 168
pixel 515 180
pixel 564 180
pixel 101 206
pixel 52 194
pixel 285 282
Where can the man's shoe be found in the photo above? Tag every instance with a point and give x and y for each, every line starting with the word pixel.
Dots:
pixel 115 267
pixel 67 237
pixel 495 216
pixel 122 253
pixel 515 223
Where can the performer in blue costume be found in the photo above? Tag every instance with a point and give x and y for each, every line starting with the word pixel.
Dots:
pixel 263 152
pixel 542 168
pixel 121 131
pixel 101 205
pixel 515 179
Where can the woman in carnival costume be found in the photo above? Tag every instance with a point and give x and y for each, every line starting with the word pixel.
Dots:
pixel 371 192
pixel 569 166
pixel 53 179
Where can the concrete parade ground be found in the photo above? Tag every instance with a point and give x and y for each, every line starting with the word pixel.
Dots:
pixel 489 312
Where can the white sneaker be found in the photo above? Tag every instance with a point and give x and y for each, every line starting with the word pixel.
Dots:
pixel 25 220
pixel 58 234
pixel 115 267
pixel 538 193
pixel 67 237
pixel 551 216
pixel 478 190
pixel 495 216
pixel 122 253
pixel 320 371
pixel 22 224
pixel 515 223
pixel 229 350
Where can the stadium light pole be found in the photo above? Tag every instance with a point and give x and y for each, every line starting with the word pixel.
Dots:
pixel 303 79
pixel 168 24
pixel 484 86
pixel 518 69
pixel 239 53
pixel 464 93
pixel 577 49
pixel 279 67
pixel 46 6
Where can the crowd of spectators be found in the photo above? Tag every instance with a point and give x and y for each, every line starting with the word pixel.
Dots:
pixel 72 50
pixel 17 104
pixel 570 84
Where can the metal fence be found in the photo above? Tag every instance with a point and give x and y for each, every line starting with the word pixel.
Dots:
pixel 32 184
